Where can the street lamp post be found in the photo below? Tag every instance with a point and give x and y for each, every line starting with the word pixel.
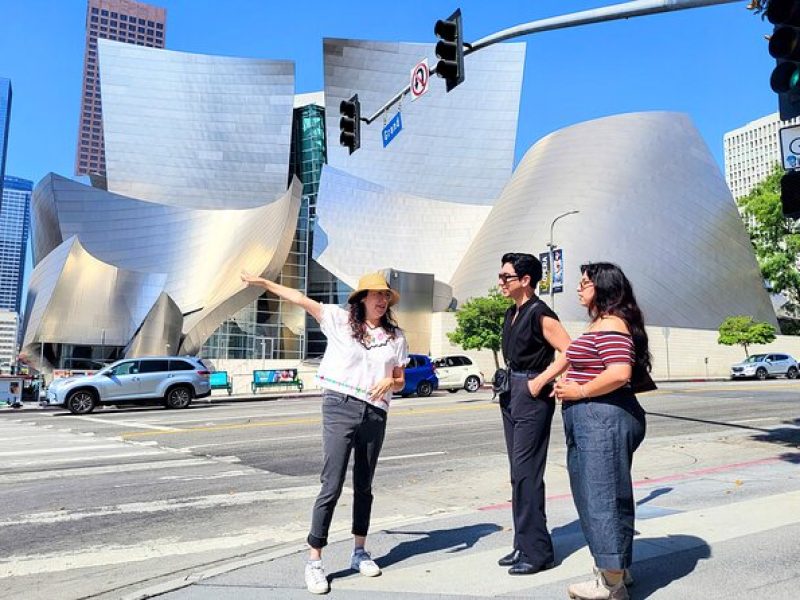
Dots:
pixel 550 248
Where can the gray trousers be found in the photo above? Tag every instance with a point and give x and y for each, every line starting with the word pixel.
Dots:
pixel 348 424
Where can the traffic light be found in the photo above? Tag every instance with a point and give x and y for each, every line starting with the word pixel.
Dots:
pixel 350 123
pixel 450 49
pixel 790 194
pixel 784 46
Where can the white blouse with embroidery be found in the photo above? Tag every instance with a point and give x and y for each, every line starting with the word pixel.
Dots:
pixel 352 368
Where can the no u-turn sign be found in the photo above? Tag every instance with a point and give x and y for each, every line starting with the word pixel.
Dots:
pixel 420 78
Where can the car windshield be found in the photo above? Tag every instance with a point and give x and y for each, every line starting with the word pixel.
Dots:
pixel 755 358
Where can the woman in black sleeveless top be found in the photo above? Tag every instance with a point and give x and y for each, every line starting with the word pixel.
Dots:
pixel 531 335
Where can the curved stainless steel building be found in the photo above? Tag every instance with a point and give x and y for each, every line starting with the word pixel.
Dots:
pixel 195 130
pixel 196 256
pixel 407 232
pixel 74 298
pixel 456 147
pixel 651 199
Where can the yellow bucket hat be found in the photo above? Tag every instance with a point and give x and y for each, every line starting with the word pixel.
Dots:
pixel 374 281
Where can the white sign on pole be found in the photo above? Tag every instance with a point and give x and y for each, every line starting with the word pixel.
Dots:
pixel 790 147
pixel 420 78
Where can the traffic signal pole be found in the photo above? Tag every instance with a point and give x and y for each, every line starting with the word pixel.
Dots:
pixel 626 10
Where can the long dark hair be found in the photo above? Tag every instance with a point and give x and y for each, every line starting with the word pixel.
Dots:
pixel 613 295
pixel 358 319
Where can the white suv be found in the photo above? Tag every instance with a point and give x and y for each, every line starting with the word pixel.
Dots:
pixel 762 366
pixel 171 380
pixel 457 373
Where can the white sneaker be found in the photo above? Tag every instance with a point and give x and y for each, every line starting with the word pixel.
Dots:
pixel 316 582
pixel 362 562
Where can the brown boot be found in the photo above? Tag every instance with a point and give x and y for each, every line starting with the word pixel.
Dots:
pixel 598 589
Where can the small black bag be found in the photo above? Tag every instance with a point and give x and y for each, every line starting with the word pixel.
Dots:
pixel 641 381
pixel 501 382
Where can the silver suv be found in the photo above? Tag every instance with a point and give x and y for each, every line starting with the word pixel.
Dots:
pixel 762 366
pixel 171 380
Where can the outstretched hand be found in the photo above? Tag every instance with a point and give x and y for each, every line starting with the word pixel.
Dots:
pixel 250 279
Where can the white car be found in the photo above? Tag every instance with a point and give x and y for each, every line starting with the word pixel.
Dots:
pixel 457 373
pixel 762 366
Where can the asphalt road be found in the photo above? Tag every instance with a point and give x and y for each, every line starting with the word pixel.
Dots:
pixel 99 503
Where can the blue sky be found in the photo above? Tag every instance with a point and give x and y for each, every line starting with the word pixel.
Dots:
pixel 711 63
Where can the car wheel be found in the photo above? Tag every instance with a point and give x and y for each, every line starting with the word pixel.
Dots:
pixel 761 374
pixel 452 391
pixel 179 397
pixel 81 402
pixel 792 373
pixel 472 384
pixel 424 389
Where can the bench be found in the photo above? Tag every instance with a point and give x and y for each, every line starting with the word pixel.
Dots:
pixel 219 380
pixel 267 378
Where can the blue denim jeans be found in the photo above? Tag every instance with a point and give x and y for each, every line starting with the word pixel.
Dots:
pixel 602 435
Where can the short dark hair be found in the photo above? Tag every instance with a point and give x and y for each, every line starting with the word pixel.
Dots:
pixel 524 264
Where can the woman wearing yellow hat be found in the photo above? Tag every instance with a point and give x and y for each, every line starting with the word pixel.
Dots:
pixel 362 365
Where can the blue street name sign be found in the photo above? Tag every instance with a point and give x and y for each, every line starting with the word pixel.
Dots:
pixel 392 128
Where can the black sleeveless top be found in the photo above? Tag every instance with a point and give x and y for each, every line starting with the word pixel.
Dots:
pixel 524 345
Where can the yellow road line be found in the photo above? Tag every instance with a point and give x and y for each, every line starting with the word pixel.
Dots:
pixel 400 412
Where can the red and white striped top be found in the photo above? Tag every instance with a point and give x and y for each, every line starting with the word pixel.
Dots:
pixel 591 353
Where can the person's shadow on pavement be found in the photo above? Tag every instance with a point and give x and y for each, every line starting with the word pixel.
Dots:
pixel 450 540
pixel 569 538
pixel 657 572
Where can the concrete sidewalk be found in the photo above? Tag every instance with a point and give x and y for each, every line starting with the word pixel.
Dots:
pixel 720 529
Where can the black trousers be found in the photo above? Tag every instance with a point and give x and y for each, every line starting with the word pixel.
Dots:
pixel 526 424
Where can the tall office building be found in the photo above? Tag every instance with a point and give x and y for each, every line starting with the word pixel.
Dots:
pixel 124 21
pixel 15 218
pixel 9 328
pixel 751 152
pixel 5 119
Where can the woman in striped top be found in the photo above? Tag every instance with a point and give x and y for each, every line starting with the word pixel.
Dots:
pixel 604 424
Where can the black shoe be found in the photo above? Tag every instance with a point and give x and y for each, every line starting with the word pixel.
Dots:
pixel 510 559
pixel 523 567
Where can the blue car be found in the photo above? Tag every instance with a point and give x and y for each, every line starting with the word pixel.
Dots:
pixel 420 376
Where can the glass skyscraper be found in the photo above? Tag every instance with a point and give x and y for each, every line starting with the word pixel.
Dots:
pixel 15 217
pixel 271 328
pixel 5 119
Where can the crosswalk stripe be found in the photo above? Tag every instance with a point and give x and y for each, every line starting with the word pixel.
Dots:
pixel 87 471
pixel 172 504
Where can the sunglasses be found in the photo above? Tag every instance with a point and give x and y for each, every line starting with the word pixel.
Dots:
pixel 505 277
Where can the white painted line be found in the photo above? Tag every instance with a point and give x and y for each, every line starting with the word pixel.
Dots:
pixel 180 463
pixel 420 455
pixel 59 450
pixel 134 424
pixel 172 504
pixel 72 459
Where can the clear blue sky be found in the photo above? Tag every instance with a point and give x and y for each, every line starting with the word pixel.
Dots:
pixel 711 63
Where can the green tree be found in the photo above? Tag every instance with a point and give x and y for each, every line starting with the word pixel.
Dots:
pixel 480 323
pixel 775 238
pixel 744 331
